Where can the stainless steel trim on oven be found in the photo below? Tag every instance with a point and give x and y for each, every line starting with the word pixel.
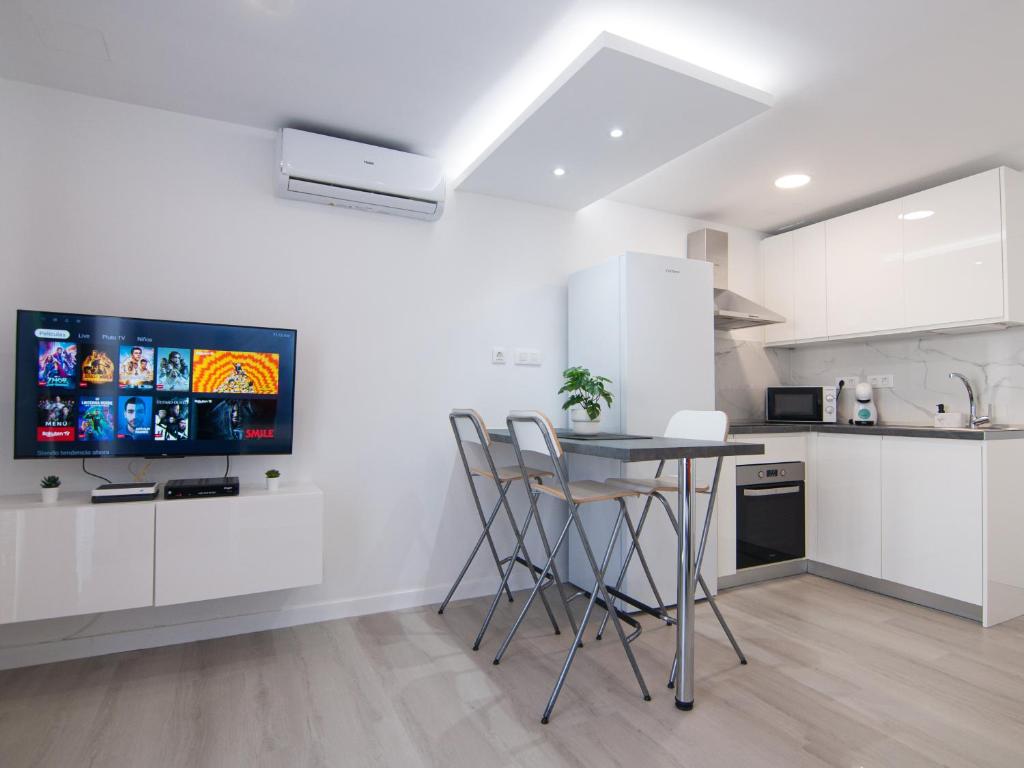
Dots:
pixel 771 491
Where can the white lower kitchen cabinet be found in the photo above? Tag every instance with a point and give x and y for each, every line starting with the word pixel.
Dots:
pixel 849 509
pixel 932 515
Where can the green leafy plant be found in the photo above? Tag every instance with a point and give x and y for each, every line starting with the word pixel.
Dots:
pixel 273 473
pixel 585 390
pixel 50 481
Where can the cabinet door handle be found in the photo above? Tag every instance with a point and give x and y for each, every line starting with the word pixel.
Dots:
pixel 771 491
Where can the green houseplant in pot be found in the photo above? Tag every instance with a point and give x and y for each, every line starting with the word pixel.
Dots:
pixel 50 486
pixel 273 479
pixel 586 394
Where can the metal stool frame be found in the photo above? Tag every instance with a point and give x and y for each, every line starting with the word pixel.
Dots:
pixel 502 487
pixel 635 545
pixel 548 443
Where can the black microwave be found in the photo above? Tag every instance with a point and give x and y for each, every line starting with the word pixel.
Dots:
pixel 801 404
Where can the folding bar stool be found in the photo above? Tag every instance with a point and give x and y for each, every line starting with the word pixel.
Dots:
pixel 469 428
pixel 684 425
pixel 533 431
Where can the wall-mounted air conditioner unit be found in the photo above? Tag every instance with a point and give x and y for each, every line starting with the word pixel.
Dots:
pixel 347 174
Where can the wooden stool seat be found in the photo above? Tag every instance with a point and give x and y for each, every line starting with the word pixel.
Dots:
pixel 587 491
pixel 645 485
pixel 511 473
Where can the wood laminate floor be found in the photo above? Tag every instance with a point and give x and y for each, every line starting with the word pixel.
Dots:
pixel 837 677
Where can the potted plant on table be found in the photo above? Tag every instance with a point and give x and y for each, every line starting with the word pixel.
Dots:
pixel 273 479
pixel 50 489
pixel 586 392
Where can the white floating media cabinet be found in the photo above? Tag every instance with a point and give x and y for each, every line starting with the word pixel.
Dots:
pixel 75 557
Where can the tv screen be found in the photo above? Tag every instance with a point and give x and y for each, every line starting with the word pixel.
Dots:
pixel 94 386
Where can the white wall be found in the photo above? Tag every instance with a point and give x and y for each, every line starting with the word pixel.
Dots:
pixel 106 205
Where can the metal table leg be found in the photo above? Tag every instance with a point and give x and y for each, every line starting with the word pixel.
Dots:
pixel 684 588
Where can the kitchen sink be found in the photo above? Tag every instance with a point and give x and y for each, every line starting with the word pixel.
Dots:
pixel 986 428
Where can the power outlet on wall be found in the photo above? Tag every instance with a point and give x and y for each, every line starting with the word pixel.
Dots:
pixel 498 355
pixel 847 382
pixel 882 380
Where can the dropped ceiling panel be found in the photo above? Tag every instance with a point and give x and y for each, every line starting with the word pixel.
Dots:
pixel 664 106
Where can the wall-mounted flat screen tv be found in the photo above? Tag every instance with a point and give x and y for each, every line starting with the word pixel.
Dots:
pixel 91 386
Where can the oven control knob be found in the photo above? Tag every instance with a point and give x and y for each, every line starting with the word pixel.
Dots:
pixel 761 473
pixel 829 398
pixel 830 409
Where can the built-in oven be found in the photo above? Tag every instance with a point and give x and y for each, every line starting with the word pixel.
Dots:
pixel 769 513
pixel 800 404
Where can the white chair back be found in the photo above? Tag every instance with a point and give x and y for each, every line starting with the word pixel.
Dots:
pixel 698 425
pixel 467 422
pixel 530 428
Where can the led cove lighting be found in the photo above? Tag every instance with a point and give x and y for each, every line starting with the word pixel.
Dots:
pixel 559 171
pixel 792 181
pixel 916 215
pixel 615 133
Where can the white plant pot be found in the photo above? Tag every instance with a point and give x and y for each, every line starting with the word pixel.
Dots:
pixel 273 483
pixel 50 495
pixel 582 424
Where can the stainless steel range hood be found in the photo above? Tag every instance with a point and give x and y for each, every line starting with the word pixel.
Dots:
pixel 732 311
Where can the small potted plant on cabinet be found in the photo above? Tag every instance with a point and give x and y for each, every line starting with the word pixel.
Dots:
pixel 50 486
pixel 586 392
pixel 273 479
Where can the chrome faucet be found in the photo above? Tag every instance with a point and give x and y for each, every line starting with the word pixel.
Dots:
pixel 974 420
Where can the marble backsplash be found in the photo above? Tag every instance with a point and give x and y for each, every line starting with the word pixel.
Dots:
pixel 742 371
pixel 992 360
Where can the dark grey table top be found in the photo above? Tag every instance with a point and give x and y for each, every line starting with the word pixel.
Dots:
pixel 892 430
pixel 647 448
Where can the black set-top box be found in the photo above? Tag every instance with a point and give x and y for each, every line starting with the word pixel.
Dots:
pixel 196 487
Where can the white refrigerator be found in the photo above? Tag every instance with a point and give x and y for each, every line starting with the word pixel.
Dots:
pixel 646 322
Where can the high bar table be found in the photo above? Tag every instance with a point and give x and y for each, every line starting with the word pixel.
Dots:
pixel 641 448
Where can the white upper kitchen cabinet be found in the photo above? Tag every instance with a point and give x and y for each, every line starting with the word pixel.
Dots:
pixel 865 271
pixel 779 295
pixel 932 515
pixel 849 509
pixel 809 283
pixel 947 258
pixel 953 252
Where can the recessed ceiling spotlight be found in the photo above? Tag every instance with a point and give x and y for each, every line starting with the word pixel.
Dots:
pixel 559 171
pixel 916 215
pixel 792 181
pixel 615 133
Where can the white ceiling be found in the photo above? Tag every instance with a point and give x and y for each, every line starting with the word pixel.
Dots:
pixel 670 107
pixel 873 98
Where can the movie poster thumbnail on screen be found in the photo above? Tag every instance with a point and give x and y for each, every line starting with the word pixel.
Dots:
pixel 171 419
pixel 58 364
pixel 219 371
pixel 234 419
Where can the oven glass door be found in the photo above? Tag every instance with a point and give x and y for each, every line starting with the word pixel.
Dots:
pixel 794 404
pixel 769 523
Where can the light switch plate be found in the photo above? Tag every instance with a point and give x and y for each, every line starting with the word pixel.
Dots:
pixel 881 380
pixel 498 355
pixel 527 357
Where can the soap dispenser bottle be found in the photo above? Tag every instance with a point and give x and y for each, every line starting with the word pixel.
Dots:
pixel 944 420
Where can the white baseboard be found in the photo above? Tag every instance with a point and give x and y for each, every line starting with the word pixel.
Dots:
pixel 153 637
